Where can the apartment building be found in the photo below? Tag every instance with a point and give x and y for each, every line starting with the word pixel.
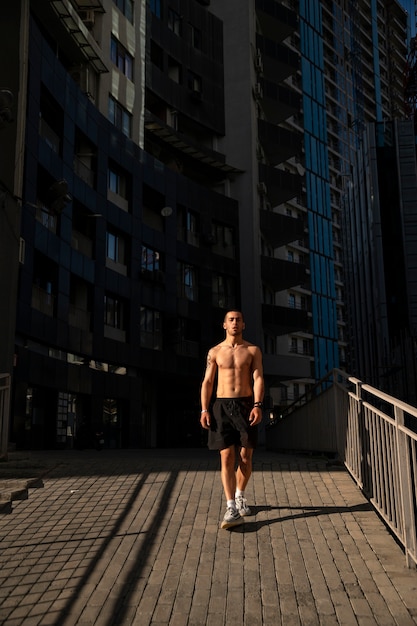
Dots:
pixel 303 78
pixel 131 256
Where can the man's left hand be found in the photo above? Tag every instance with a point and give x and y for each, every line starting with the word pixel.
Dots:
pixel 255 416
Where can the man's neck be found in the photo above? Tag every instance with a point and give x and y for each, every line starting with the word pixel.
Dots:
pixel 234 341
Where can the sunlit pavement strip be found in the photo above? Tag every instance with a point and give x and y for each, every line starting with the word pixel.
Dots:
pixel 133 537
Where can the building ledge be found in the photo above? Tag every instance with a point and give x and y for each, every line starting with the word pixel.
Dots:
pixel 79 32
pixel 168 135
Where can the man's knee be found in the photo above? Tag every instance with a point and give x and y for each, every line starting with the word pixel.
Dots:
pixel 246 455
pixel 227 457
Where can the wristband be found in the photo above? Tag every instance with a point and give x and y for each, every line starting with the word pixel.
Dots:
pixel 204 411
pixel 257 405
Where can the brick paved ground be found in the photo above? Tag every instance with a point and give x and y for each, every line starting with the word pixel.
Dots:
pixel 133 537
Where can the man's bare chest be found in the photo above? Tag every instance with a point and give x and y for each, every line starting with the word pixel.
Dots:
pixel 234 359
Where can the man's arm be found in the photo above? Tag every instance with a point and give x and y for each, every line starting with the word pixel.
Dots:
pixel 258 387
pixel 207 387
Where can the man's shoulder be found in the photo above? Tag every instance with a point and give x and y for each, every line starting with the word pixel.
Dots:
pixel 252 346
pixel 216 348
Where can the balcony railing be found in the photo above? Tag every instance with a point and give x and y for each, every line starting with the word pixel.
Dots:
pixel 79 318
pixel 82 244
pixel 372 433
pixel 43 301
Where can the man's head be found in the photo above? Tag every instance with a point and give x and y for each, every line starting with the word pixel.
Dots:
pixel 233 323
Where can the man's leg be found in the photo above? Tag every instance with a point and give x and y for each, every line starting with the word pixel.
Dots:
pixel 232 516
pixel 244 469
pixel 228 473
pixel 243 473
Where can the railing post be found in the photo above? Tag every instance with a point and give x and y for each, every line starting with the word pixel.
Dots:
pixel 406 486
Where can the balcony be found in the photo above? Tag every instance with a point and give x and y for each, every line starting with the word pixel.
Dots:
pixel 278 23
pixel 279 274
pixel 279 144
pixel 281 186
pixel 278 102
pixel 280 229
pixel 280 320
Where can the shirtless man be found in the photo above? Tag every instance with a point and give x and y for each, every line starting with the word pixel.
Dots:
pixel 236 411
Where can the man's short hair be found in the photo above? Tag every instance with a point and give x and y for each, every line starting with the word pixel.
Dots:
pixel 233 311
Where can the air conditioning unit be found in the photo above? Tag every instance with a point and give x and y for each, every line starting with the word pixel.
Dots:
pixel 81 75
pixel 262 189
pixel 259 66
pixel 22 250
pixel 257 90
pixel 88 18
pixel 172 119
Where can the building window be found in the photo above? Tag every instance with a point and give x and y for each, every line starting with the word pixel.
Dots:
pixel 269 343
pixel 115 182
pixel 126 7
pixel 174 22
pixel 291 301
pixel 51 121
pixel 268 295
pixel 194 83
pixel 118 116
pixel 174 71
pixel 150 259
pixel 114 312
pixel 155 6
pixel 188 226
pixel 157 55
pixel 195 37
pixel 294 345
pixel 187 337
pixel 116 252
pixel 45 284
pixel 112 245
pixel 121 58
pixel 150 329
pixel 44 216
pixel 85 158
pixel 187 282
pixel 224 240
pixel 119 187
pixel 223 291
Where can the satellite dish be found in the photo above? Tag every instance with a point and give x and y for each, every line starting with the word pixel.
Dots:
pixel 58 196
pixel 166 211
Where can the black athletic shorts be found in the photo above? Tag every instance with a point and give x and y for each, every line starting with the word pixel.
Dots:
pixel 230 424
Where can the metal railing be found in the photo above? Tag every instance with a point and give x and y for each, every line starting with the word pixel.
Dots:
pixel 4 414
pixel 373 434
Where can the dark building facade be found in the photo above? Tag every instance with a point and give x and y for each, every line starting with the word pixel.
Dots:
pixel 130 263
pixel 381 235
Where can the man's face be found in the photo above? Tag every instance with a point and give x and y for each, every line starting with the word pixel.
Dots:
pixel 233 323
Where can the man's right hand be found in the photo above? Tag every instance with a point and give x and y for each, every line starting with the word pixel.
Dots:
pixel 205 420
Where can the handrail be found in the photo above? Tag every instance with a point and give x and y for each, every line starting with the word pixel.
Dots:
pixel 373 434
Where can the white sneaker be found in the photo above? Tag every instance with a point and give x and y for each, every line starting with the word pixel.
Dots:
pixel 242 506
pixel 231 518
